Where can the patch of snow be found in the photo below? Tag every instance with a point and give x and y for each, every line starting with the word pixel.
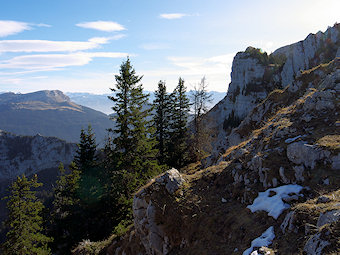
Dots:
pixel 265 239
pixel 290 140
pixel 274 204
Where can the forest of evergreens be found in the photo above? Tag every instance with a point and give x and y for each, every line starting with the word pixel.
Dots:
pixel 92 197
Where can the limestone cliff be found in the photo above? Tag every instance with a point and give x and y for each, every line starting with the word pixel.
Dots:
pixel 31 154
pixel 255 74
pixel 206 211
pixel 272 185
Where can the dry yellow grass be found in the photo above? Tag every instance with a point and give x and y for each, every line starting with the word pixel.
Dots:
pixel 330 141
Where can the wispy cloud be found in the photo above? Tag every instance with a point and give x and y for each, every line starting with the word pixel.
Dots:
pixel 216 69
pixel 173 15
pixel 42 25
pixel 10 27
pixel 212 65
pixel 53 46
pixel 107 26
pixel 154 46
pixel 48 62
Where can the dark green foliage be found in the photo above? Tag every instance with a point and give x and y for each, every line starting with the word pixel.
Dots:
pixel 161 119
pixel 25 223
pixel 277 59
pixel 66 224
pixel 178 148
pixel 264 59
pixel 258 54
pixel 231 122
pixel 87 149
pixel 133 145
pixel 80 195
pixel 132 152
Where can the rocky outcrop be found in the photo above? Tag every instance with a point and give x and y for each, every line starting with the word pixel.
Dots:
pixel 31 154
pixel 315 49
pixel 290 136
pixel 254 75
pixel 152 234
pixel 306 154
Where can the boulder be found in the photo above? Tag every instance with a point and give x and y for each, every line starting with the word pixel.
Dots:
pixel 172 180
pixel 306 154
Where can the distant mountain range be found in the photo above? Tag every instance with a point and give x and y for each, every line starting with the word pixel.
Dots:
pixel 55 114
pixel 50 113
pixel 103 104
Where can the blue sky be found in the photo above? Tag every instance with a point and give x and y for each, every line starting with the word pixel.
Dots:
pixel 78 45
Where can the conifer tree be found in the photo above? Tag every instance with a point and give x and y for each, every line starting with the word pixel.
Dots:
pixel 66 217
pixel 161 119
pixel 87 149
pixel 134 153
pixel 25 223
pixel 179 117
pixel 133 142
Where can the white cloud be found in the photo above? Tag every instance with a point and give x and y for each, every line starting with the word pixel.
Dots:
pixel 216 69
pixel 154 46
pixel 53 46
pixel 212 65
pixel 172 15
pixel 10 27
pixel 48 62
pixel 85 82
pixel 42 25
pixel 107 26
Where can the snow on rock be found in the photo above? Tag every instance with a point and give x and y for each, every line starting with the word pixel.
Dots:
pixel 265 239
pixel 274 204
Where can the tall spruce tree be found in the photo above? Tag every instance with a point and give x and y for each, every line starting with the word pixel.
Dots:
pixel 134 153
pixel 25 223
pixel 161 119
pixel 66 226
pixel 87 149
pixel 178 148
pixel 90 184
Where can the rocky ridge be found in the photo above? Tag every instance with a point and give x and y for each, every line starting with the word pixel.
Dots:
pixel 285 134
pixel 31 154
pixel 255 74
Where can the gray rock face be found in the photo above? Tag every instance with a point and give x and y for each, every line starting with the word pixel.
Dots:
pixel 151 233
pixel 336 162
pixel 302 55
pixel 172 180
pixel 328 217
pixel 306 154
pixel 321 100
pixel 288 223
pixel 31 154
pixel 315 245
pixel 250 85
